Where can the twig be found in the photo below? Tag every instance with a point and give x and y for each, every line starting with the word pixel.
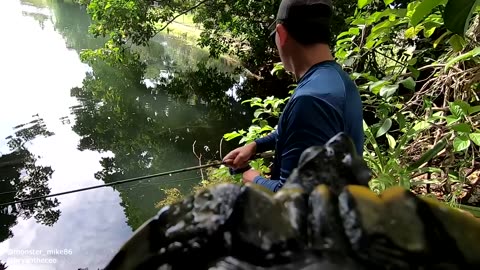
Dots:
pixel 389 57
pixel 199 159
pixel 221 156
pixel 472 187
pixel 363 36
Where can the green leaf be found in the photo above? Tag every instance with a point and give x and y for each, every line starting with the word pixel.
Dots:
pixel 461 143
pixel 411 7
pixel 388 91
pixel 253 100
pixel 457 15
pixel 438 40
pixel 355 75
pixel 475 137
pixel 429 155
pixel 457 42
pixel 376 86
pixel 401 120
pixel 231 136
pixel 464 57
pixel 463 105
pixel 362 3
pixel 413 31
pixel 258 112
pixel 244 139
pixel 409 83
pixel 462 127
pixel 420 126
pixel 434 20
pixel 370 44
pixel 415 72
pixel 459 108
pixel 387 124
pixel 391 141
pixel 451 119
pixel 473 110
pixel 424 9
pixel 277 68
pixel 429 32
pixel 388 2
pixel 354 31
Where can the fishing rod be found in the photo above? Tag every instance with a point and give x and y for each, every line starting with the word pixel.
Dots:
pixel 214 164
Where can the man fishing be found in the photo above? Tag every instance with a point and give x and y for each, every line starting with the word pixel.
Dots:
pixel 325 102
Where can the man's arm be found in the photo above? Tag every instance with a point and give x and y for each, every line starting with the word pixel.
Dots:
pixel 312 121
pixel 266 143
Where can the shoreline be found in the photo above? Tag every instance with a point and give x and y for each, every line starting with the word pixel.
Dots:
pixel 185 29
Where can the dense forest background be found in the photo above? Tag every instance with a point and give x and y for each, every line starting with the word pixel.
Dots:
pixel 416 64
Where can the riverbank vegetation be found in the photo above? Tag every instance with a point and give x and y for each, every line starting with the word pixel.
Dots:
pixel 416 64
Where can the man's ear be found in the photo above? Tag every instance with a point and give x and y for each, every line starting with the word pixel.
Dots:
pixel 282 34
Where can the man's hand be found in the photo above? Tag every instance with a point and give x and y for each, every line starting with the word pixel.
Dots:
pixel 239 157
pixel 249 175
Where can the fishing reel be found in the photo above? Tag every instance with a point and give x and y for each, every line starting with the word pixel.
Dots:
pixel 239 171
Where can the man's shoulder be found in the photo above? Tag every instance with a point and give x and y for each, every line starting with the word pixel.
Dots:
pixel 331 75
pixel 328 83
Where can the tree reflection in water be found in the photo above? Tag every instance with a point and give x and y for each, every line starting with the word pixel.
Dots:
pixel 21 178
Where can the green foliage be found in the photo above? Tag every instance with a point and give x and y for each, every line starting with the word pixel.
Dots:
pixel 213 177
pixel 415 63
pixel 172 195
pixel 267 108
pixel 238 28
pixel 458 14
pixel 463 57
pixel 418 76
pixel 461 124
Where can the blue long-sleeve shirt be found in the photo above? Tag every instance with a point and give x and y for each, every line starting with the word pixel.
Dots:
pixel 325 102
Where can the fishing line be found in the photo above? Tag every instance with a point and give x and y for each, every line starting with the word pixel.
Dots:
pixel 114 183
pixel 148 184
pixel 264 155
pixel 126 188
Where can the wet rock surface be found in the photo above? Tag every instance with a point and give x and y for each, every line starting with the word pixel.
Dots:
pixel 325 217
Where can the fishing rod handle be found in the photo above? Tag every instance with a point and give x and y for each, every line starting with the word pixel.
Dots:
pixel 248 167
pixel 239 171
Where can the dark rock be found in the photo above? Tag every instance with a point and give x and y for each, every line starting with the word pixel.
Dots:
pixel 264 231
pixel 325 217
pixel 336 164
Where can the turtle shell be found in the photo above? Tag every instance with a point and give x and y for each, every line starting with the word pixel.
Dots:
pixel 324 217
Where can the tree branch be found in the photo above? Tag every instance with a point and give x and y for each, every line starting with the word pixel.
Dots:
pixel 182 13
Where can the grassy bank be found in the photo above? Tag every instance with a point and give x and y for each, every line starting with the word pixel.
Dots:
pixel 183 27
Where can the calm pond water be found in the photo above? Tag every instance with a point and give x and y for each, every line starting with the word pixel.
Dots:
pixel 65 124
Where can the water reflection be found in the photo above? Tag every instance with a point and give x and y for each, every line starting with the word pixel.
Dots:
pixel 38 72
pixel 150 130
pixel 22 178
pixel 110 123
pixel 150 127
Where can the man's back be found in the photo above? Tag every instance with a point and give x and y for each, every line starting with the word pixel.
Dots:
pixel 332 86
pixel 325 103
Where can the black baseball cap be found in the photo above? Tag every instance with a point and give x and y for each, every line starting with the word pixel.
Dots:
pixel 312 12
